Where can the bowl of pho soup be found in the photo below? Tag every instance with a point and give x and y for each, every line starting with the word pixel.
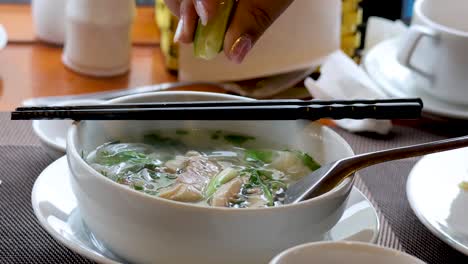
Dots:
pixel 201 191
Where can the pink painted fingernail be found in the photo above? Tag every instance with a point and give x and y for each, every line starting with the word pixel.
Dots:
pixel 202 11
pixel 180 28
pixel 240 48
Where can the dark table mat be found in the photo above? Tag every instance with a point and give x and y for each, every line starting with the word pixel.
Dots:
pixel 387 185
pixel 22 240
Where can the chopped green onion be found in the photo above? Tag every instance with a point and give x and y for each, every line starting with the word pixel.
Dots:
pixel 221 178
pixel 265 156
pixel 308 161
pixel 268 195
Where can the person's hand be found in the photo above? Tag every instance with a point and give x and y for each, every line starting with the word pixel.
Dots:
pixel 250 20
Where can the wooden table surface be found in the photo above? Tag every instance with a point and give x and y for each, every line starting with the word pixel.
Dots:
pixel 31 68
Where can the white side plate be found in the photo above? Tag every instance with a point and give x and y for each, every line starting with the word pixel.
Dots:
pixel 436 198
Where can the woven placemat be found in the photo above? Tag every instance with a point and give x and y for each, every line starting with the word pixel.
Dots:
pixel 22 240
pixel 387 186
pixel 16 133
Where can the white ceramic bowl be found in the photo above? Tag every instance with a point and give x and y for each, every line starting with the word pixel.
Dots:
pixel 145 229
pixel 343 252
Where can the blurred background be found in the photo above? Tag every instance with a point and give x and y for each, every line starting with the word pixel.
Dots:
pixel 156 58
pixel 394 9
pixel 354 22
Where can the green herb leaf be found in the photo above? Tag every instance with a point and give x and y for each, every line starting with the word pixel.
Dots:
pixel 308 161
pixel 110 159
pixel 268 195
pixel 256 180
pixel 265 156
pixel 151 166
pixel 161 142
pixel 237 139
pixel 138 187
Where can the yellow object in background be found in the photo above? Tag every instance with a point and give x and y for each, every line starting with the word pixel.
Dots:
pixel 167 24
pixel 352 18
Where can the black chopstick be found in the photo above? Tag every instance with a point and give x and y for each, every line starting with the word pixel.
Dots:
pixel 222 104
pixel 352 109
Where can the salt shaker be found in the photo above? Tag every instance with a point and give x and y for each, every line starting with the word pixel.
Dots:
pixel 98 36
pixel 49 20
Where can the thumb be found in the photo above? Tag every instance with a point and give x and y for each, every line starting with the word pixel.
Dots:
pixel 250 20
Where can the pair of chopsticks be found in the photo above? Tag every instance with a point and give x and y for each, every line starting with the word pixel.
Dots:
pixel 409 108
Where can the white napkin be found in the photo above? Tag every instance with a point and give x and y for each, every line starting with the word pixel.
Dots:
pixel 379 29
pixel 342 78
pixel 3 37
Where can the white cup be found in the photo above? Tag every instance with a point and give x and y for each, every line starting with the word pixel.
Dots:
pixel 436 47
pixel 49 20
pixel 343 252
pixel 98 36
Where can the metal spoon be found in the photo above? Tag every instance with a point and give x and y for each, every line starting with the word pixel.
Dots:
pixel 328 176
pixel 270 86
pixel 107 95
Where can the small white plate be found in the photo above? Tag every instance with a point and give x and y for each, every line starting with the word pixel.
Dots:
pixel 435 196
pixel 55 207
pixel 398 81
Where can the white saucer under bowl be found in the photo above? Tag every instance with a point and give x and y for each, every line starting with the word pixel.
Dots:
pixel 437 199
pixel 398 81
pixel 53 133
pixel 55 207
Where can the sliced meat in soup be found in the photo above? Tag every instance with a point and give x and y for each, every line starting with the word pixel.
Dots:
pixel 209 168
pixel 192 180
pixel 227 192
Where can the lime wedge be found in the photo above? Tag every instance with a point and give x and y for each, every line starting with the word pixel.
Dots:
pixel 209 39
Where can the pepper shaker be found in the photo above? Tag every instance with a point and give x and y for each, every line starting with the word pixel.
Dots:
pixel 98 36
pixel 49 19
